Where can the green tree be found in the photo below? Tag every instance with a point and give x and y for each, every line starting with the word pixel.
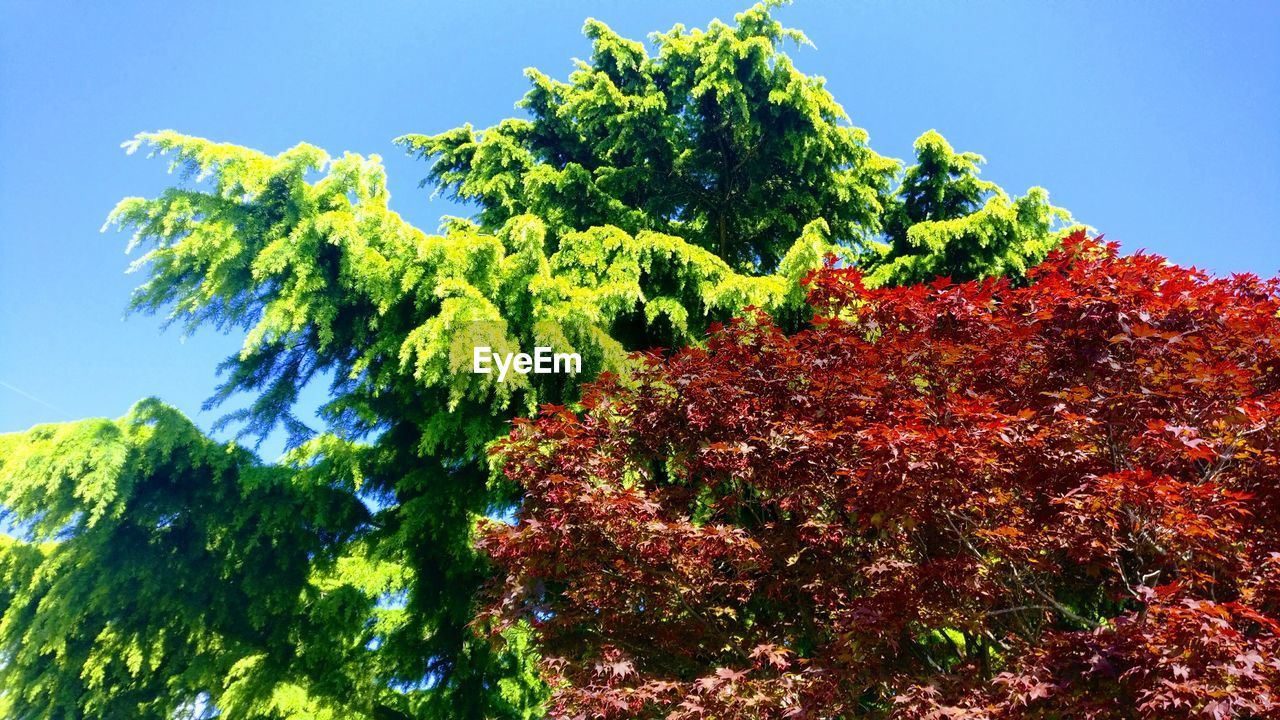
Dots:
pixel 155 566
pixel 649 196
pixel 715 138
pixel 945 221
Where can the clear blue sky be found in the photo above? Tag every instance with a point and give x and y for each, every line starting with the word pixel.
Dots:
pixel 1157 123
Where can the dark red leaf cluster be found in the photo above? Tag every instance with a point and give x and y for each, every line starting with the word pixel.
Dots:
pixel 978 500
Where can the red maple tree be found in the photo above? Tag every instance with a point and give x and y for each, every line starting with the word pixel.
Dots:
pixel 978 500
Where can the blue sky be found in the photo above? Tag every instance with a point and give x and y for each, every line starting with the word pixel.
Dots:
pixel 1157 123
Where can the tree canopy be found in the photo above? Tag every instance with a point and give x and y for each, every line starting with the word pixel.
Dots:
pixel 156 566
pixel 946 222
pixel 975 501
pixel 657 191
pixel 718 139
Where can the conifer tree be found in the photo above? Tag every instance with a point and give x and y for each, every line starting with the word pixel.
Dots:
pixel 946 222
pixel 715 138
pixel 156 567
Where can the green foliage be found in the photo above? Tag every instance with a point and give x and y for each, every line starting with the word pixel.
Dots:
pixel 647 197
pixel 715 137
pixel 324 280
pixel 150 569
pixel 946 222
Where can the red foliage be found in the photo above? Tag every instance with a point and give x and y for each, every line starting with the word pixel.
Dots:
pixel 945 501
